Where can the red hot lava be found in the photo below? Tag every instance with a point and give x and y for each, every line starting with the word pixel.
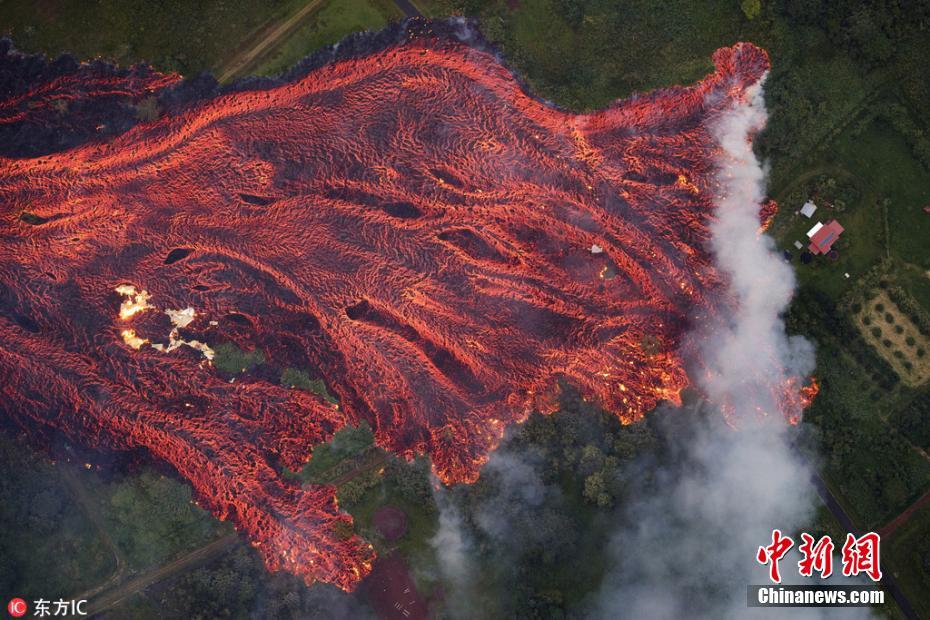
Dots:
pixel 408 223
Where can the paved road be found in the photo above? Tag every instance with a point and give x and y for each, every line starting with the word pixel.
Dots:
pixel 407 7
pixel 846 522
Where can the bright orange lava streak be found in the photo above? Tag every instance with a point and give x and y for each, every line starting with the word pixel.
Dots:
pixel 408 222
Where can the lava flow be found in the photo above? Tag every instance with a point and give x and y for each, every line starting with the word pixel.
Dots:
pixel 406 222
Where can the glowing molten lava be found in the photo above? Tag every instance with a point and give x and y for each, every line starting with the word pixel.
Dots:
pixel 407 223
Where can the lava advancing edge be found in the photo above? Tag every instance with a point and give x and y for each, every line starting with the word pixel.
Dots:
pixel 407 223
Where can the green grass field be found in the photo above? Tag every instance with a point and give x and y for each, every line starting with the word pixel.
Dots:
pixel 422 524
pixel 882 161
pixel 348 442
pixel 334 20
pixel 231 359
pixel 186 37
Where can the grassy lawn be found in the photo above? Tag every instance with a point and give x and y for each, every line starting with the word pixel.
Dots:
pixel 908 555
pixel 330 23
pixel 883 162
pixel 434 9
pixel 860 248
pixel 878 164
pixel 916 281
pixel 187 37
pixel 299 379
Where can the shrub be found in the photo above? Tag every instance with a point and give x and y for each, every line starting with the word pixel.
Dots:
pixel 887 343
pixel 898 329
pixel 876 331
pixel 231 359
pixel 908 366
pixel 857 307
pixel 889 318
pixel 920 352
pixel 910 341
pixel 867 320
pixel 879 307
pixel 898 354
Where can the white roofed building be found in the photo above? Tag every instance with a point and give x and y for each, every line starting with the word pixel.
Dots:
pixel 808 209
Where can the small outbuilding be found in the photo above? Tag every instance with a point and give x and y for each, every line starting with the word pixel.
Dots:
pixel 808 209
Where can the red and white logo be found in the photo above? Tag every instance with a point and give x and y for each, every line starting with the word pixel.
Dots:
pixel 17 607
pixel 860 555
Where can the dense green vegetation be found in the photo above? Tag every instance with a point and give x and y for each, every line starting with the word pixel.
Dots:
pixel 327 457
pixel 910 557
pixel 231 359
pixel 540 514
pixel 49 546
pixel 151 517
pixel 187 37
pixel 291 377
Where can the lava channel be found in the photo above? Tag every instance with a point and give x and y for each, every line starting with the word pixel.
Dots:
pixel 405 220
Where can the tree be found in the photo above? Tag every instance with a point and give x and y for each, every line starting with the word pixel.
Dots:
pixel 595 490
pixel 592 460
pixel 751 8
pixel 868 39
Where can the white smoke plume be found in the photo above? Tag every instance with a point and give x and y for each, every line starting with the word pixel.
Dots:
pixel 688 547
pixel 455 552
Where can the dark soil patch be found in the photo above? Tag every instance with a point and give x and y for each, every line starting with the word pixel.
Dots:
pixel 390 521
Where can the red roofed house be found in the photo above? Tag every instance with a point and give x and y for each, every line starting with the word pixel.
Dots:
pixel 823 236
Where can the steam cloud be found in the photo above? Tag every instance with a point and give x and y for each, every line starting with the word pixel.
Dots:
pixel 688 550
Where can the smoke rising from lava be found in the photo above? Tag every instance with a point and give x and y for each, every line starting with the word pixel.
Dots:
pixel 405 221
pixel 687 548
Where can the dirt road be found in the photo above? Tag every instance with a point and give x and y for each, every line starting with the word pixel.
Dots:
pixel 113 597
pixel 242 60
